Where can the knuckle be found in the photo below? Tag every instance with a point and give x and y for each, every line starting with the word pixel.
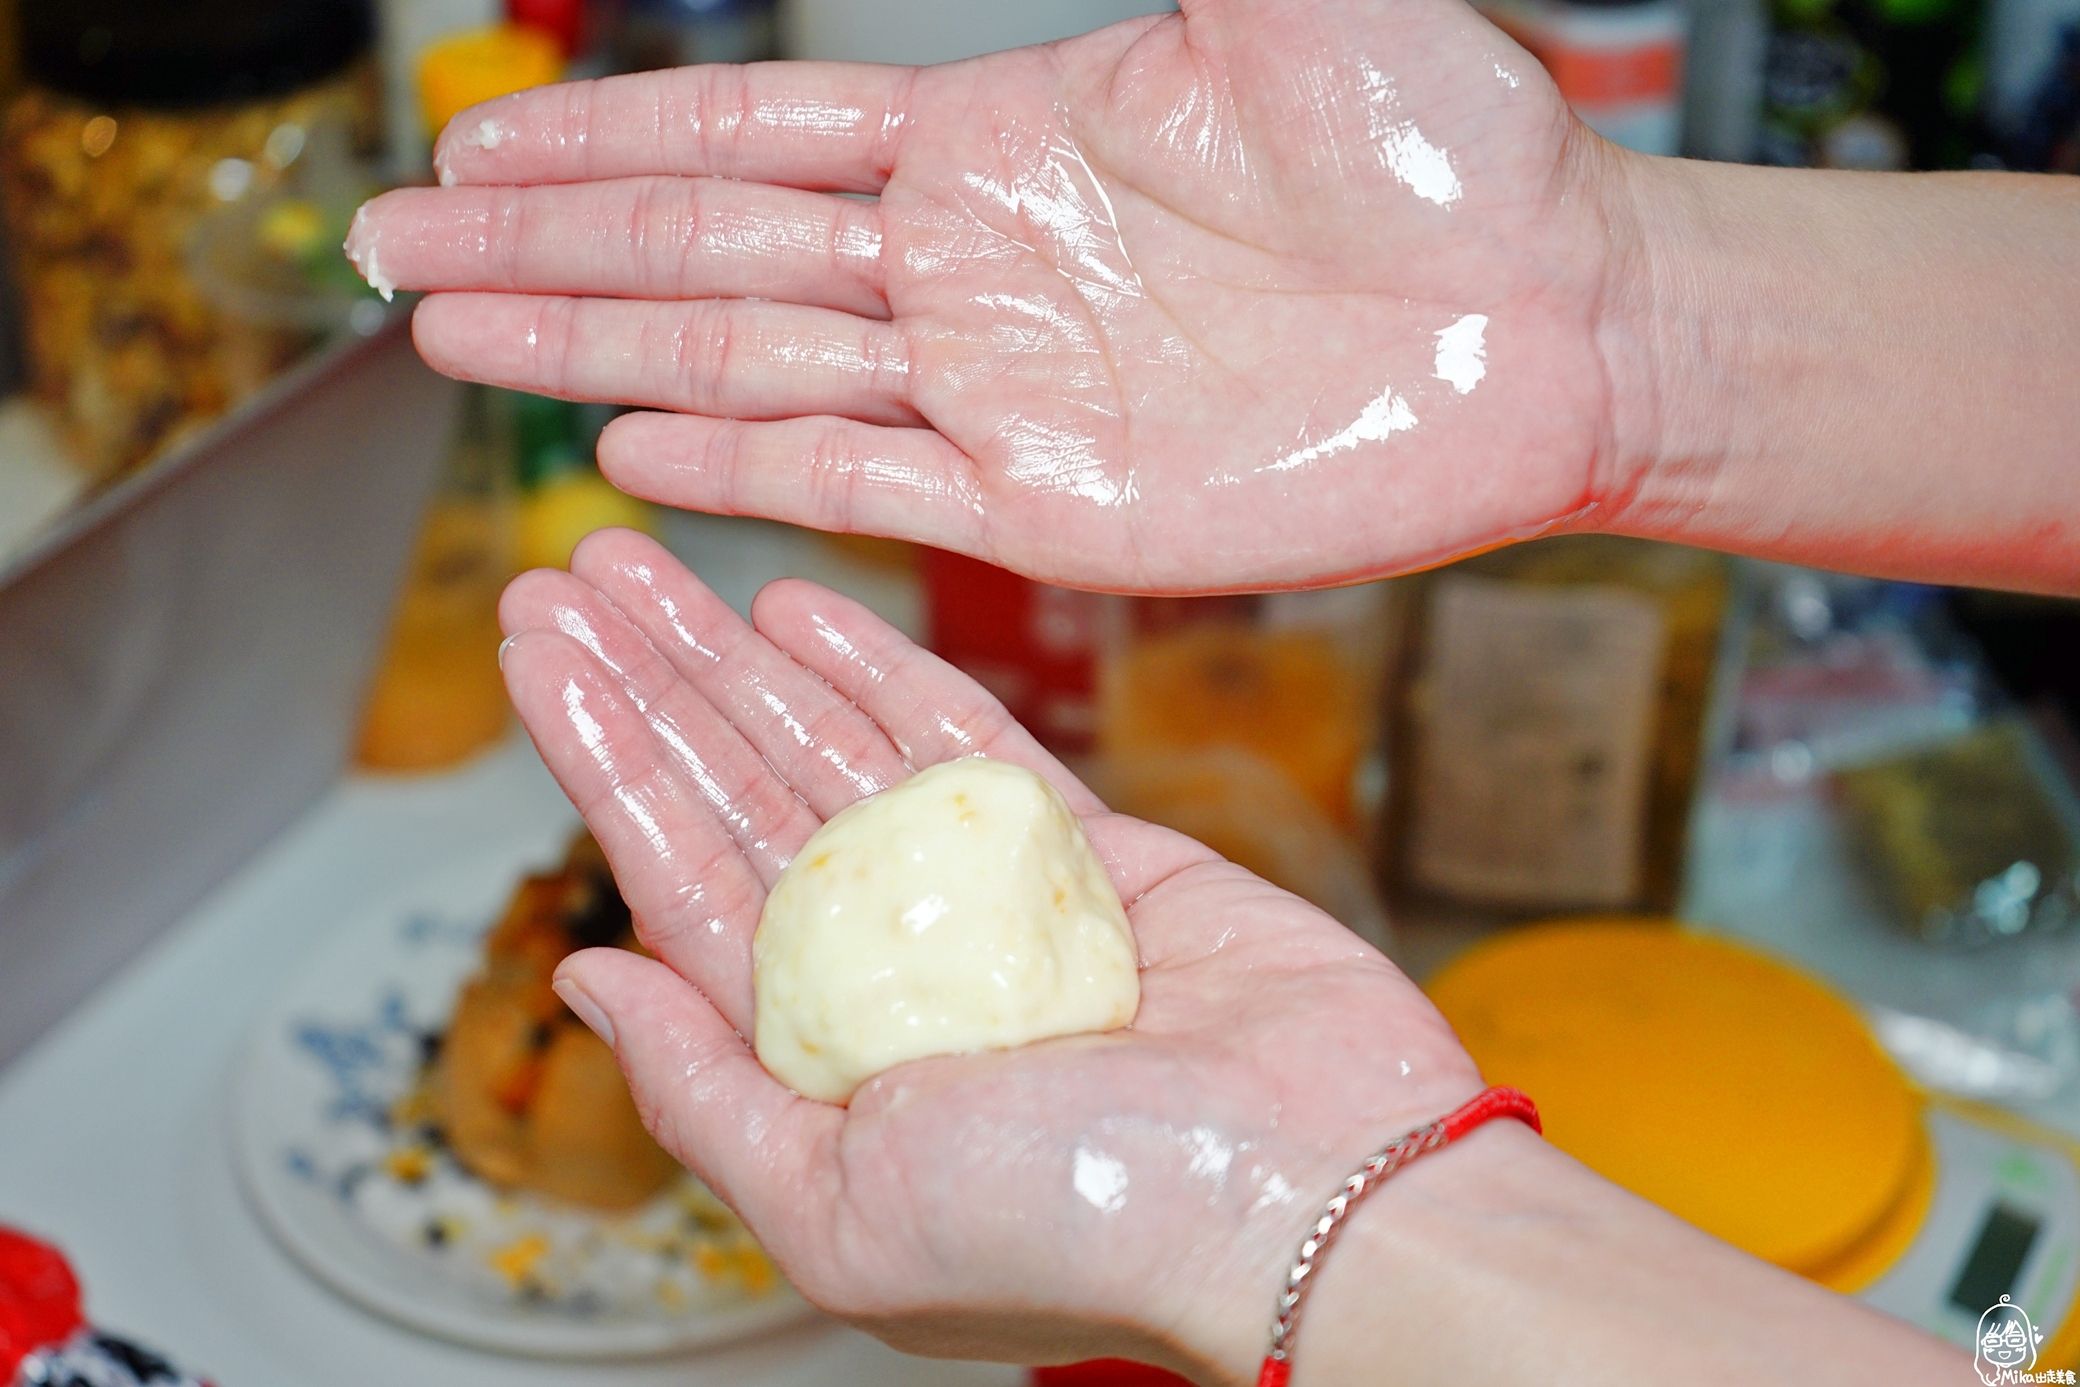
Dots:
pixel 557 337
pixel 855 239
pixel 720 457
pixel 887 356
pixel 575 123
pixel 838 728
pixel 509 232
pixel 703 352
pixel 685 224
pixel 833 479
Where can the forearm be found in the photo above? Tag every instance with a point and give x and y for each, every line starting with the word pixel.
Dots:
pixel 1860 371
pixel 1504 1260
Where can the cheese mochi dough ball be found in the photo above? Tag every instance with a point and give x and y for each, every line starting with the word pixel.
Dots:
pixel 960 910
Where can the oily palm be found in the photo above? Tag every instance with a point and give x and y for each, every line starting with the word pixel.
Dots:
pixel 1072 1184
pixel 1267 292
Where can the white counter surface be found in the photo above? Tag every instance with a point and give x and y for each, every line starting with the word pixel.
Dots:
pixel 112 1129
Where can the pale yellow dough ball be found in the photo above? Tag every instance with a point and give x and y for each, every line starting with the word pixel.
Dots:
pixel 961 910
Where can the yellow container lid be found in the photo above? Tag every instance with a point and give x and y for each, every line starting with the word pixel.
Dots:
pixel 1730 1089
pixel 458 72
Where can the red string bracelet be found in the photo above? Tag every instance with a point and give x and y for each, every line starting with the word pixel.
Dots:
pixel 1494 1103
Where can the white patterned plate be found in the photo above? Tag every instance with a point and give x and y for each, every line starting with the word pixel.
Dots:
pixel 398 1226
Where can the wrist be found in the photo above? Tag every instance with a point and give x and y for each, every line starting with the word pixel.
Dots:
pixel 1406 1286
pixel 1501 1251
pixel 1860 371
pixel 1649 330
pixel 1229 1313
pixel 1722 318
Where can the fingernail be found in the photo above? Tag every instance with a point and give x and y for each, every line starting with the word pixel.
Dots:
pixel 503 647
pixel 361 250
pixel 585 1009
pixel 357 233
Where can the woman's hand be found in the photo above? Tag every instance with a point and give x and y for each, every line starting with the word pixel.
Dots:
pixel 1266 293
pixel 1139 1192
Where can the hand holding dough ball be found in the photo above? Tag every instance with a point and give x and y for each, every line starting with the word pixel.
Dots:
pixel 961 910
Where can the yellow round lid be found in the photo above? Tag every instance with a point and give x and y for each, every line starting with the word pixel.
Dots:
pixel 1731 1090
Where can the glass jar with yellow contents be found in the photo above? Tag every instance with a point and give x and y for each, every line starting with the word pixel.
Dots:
pixel 139 119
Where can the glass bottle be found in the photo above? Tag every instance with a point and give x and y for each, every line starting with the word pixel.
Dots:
pixel 1544 726
pixel 439 696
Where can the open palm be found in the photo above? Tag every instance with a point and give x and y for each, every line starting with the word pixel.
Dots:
pixel 1269 292
pixel 1030 1201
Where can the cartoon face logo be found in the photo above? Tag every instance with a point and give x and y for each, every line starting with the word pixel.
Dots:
pixel 2007 1343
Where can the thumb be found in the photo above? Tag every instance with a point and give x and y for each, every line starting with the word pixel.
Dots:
pixel 703 1094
